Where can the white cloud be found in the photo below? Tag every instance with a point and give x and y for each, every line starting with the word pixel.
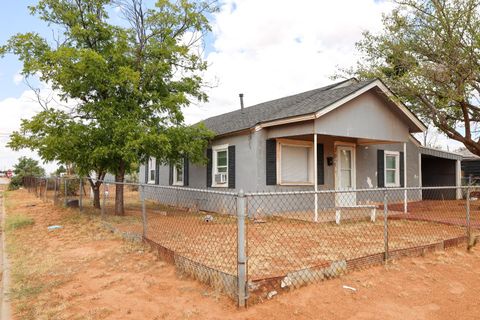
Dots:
pixel 17 78
pixel 269 49
pixel 13 110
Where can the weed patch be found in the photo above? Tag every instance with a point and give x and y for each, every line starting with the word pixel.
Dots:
pixel 18 221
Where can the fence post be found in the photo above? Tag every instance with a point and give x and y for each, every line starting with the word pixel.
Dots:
pixel 241 254
pixel 144 211
pixel 385 223
pixel 467 225
pixel 55 190
pixel 65 200
pixel 104 201
pixel 80 195
pixel 46 189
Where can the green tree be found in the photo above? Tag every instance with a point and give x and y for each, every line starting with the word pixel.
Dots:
pixel 56 136
pixel 61 169
pixel 26 167
pixel 429 54
pixel 125 84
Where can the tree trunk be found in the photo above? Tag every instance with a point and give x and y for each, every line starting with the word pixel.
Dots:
pixel 119 178
pixel 96 192
pixel 96 197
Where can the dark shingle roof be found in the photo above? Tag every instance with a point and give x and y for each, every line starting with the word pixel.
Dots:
pixel 295 105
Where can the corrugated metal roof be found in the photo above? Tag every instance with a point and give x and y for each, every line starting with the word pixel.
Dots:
pixel 440 153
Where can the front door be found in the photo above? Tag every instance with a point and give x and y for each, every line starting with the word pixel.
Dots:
pixel 345 176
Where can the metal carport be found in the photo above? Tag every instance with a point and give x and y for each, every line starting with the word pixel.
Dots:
pixel 440 168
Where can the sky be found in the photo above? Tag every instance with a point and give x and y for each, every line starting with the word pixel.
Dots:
pixel 265 49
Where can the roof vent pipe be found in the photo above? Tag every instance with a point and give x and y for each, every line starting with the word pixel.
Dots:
pixel 241 101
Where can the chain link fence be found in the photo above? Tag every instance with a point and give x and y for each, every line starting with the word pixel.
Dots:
pixel 253 246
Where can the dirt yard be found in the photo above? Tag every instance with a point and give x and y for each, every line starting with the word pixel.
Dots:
pixel 277 245
pixel 83 272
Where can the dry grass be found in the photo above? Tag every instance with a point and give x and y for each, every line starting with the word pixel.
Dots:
pixel 37 267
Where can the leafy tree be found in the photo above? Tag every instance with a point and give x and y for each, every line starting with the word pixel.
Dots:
pixel 56 136
pixel 61 169
pixel 429 54
pixel 125 84
pixel 26 167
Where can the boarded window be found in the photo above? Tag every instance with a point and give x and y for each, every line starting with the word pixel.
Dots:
pixel 296 164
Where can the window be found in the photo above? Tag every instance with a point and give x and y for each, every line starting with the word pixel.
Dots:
pixel 220 166
pixel 178 175
pixel 151 169
pixel 296 162
pixel 392 169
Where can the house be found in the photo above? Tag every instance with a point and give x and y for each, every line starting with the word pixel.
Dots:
pixel 351 135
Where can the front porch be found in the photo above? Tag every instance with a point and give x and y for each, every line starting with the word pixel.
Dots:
pixel 318 163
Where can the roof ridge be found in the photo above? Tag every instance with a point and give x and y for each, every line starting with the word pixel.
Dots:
pixel 311 92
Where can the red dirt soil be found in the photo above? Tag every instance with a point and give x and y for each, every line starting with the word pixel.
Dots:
pixel 110 278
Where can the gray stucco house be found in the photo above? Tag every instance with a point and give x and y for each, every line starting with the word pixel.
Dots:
pixel 350 135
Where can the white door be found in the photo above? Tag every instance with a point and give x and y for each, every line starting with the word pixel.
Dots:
pixel 345 176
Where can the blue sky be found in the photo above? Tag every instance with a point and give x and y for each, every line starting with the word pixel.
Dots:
pixel 15 18
pixel 263 48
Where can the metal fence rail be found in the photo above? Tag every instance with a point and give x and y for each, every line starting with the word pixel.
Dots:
pixel 252 246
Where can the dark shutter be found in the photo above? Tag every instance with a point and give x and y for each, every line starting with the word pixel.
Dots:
pixel 185 171
pixel 271 164
pixel 231 167
pixel 402 171
pixel 146 170
pixel 209 167
pixel 380 169
pixel 170 174
pixel 320 164
pixel 157 172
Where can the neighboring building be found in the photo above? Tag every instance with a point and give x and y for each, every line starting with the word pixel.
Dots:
pixel 346 136
pixel 470 166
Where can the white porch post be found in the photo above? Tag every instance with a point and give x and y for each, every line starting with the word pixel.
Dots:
pixel 458 179
pixel 315 173
pixel 420 174
pixel 405 198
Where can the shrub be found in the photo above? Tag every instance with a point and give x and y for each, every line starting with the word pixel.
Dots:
pixel 15 183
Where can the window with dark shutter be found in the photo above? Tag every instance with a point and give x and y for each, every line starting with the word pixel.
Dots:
pixel 185 172
pixel 380 168
pixel 209 167
pixel 320 165
pixel 170 174
pixel 231 167
pixel 157 172
pixel 146 170
pixel 271 162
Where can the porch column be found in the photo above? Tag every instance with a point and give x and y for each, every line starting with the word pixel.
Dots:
pixel 315 174
pixel 420 174
pixel 405 197
pixel 458 178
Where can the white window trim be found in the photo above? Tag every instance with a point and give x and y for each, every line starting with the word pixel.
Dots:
pixel 396 154
pixel 215 150
pixel 177 182
pixel 293 143
pixel 151 161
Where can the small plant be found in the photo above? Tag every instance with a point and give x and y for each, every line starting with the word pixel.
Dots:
pixel 18 221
